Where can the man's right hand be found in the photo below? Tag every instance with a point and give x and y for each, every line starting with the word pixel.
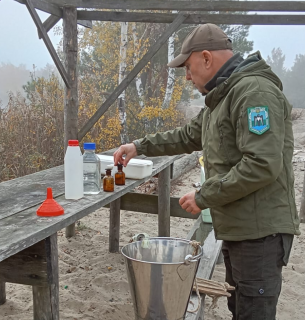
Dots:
pixel 129 150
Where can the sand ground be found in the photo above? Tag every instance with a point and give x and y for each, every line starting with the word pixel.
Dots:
pixel 93 282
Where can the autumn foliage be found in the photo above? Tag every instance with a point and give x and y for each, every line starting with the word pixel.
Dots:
pixel 32 127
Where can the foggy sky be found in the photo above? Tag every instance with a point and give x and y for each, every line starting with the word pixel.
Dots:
pixel 20 43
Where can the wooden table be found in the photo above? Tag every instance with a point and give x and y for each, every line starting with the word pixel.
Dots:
pixel 28 243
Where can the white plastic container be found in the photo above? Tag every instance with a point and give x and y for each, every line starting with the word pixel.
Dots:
pixel 73 165
pixel 136 168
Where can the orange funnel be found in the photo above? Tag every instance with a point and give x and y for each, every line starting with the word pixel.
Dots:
pixel 50 208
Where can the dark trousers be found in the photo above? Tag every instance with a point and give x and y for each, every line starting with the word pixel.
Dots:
pixel 254 267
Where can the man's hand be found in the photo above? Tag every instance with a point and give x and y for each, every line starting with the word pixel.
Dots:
pixel 187 202
pixel 129 150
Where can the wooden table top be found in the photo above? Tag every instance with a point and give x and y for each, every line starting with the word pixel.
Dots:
pixel 20 227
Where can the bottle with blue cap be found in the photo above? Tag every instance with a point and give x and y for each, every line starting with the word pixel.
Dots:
pixel 92 181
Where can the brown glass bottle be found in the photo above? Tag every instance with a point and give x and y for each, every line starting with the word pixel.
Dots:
pixel 120 176
pixel 108 181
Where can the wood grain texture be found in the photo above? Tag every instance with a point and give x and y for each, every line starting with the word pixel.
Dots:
pixel 22 193
pixel 164 203
pixel 23 229
pixel 49 23
pixel 176 23
pixel 239 19
pixel 114 225
pixel 148 203
pixel 46 298
pixel 186 5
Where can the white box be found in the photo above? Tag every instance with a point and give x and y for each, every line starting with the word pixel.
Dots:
pixel 136 168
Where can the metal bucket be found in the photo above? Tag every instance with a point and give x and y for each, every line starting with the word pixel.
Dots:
pixel 161 272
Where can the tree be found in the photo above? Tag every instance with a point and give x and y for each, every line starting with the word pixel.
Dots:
pixel 295 83
pixel 276 62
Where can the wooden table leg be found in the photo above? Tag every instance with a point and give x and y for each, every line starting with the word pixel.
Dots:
pixel 114 225
pixel 2 293
pixel 36 266
pixel 164 203
pixel 70 230
pixel 46 298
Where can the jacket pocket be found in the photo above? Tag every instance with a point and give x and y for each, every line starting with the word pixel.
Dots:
pixel 258 299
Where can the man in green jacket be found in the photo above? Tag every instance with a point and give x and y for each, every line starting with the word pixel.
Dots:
pixel 245 133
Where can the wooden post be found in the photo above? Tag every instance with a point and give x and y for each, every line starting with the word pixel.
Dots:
pixel 164 203
pixel 2 293
pixel 114 225
pixel 71 94
pixel 46 298
pixel 302 208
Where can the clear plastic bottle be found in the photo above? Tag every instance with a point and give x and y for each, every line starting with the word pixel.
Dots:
pixel 108 181
pixel 92 182
pixel 73 167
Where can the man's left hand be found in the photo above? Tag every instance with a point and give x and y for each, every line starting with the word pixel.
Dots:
pixel 187 202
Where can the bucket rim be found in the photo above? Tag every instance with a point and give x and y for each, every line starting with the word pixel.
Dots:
pixel 196 260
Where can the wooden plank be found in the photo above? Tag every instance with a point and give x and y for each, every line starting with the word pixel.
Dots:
pixel 140 65
pixel 28 266
pixel 186 5
pixel 46 298
pixel 237 19
pixel 45 6
pixel 114 225
pixel 203 233
pixel 47 41
pixel 148 203
pixel 49 24
pixel 164 203
pixel 24 229
pixel 2 293
pixel 28 191
pixel 85 23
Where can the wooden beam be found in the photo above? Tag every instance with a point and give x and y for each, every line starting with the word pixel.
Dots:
pixel 237 19
pixel 47 41
pixel 70 45
pixel 44 6
pixel 140 65
pixel 114 225
pixel 186 5
pixel 148 203
pixel 2 293
pixel 85 23
pixel 164 203
pixel 49 24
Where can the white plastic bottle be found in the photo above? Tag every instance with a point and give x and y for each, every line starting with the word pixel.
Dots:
pixel 74 188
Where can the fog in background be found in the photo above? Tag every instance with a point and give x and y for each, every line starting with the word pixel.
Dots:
pixel 22 53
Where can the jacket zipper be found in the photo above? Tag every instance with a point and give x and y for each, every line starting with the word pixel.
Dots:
pixel 223 144
pixel 220 185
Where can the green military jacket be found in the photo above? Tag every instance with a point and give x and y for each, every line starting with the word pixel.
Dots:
pixel 245 133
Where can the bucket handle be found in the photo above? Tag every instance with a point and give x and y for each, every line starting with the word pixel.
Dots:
pixel 190 258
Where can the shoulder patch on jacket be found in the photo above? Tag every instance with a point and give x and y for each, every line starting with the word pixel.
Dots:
pixel 258 119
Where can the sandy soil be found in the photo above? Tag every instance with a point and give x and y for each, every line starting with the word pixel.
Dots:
pixel 93 282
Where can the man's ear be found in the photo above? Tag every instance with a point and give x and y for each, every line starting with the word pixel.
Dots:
pixel 207 58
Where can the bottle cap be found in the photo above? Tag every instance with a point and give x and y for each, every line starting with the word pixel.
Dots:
pixel 109 167
pixel 89 146
pixel 50 208
pixel 73 143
